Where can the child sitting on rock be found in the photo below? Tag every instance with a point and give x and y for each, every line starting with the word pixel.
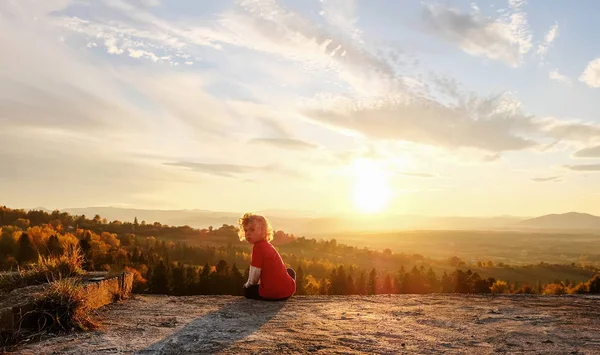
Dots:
pixel 268 278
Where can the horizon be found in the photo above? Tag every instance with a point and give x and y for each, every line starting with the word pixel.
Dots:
pixel 308 214
pixel 435 109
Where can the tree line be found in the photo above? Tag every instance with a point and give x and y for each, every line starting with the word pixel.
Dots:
pixel 161 265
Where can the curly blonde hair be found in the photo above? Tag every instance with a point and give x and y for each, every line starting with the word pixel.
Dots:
pixel 261 221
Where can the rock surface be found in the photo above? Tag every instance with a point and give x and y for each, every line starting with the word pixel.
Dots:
pixel 396 324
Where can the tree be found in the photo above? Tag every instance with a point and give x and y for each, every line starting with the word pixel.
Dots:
pixel 387 284
pixel 205 281
pixel 499 287
pixel 300 281
pixel 372 283
pixel 26 252
pixel 361 284
pixel 338 281
pixel 8 243
pixel 350 287
pixel 159 282
pixel 54 246
pixel 594 284
pixel 460 282
pixel 433 284
pixel 236 280
pixel 178 280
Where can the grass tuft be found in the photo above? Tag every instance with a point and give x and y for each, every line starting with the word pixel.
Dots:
pixel 46 270
pixel 62 308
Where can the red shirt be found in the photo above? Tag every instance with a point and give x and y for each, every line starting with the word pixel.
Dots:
pixel 275 282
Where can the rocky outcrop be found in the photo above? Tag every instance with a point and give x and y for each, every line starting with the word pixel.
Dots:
pixel 98 290
pixel 413 324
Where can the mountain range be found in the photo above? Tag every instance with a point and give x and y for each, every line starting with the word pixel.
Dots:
pixel 305 223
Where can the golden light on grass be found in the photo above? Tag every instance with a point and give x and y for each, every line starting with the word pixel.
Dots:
pixel 371 190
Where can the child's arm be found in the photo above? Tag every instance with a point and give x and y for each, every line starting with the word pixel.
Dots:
pixel 253 276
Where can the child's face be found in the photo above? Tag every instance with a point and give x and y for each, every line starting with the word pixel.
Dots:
pixel 254 232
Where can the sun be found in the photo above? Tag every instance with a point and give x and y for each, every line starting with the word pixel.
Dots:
pixel 371 190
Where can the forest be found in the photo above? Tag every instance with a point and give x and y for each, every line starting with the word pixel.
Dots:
pixel 180 260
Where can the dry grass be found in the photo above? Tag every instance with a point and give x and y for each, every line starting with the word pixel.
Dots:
pixel 62 308
pixel 46 270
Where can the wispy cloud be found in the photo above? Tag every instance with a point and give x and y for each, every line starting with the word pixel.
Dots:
pixel 506 38
pixel 233 170
pixel 543 48
pixel 547 179
pixel 564 130
pixel 285 143
pixel 561 78
pixel 589 152
pixel 584 167
pixel 417 175
pixel 224 170
pixel 491 124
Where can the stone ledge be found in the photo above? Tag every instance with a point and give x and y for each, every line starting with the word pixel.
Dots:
pixel 99 291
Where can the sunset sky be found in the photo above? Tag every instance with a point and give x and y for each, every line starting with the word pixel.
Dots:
pixel 332 106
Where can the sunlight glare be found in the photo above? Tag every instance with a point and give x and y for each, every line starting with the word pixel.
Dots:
pixel 371 193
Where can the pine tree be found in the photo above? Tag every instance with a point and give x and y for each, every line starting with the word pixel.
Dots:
pixel 361 284
pixel 159 282
pixel 350 287
pixel 236 281
pixel 372 283
pixel 300 282
pixel 205 281
pixel 387 284
pixel 178 280
pixel 26 252
pixel 54 246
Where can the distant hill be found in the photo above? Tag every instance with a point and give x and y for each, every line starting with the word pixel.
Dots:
pixel 296 222
pixel 564 221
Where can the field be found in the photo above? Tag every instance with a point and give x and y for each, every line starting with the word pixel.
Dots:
pixel 509 247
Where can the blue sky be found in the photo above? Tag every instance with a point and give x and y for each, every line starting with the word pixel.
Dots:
pixel 335 106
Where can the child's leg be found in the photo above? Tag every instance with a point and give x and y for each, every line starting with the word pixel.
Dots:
pixel 252 292
pixel 292 273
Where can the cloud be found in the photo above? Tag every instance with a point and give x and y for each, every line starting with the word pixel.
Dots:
pixel 268 27
pixel 560 130
pixel 555 75
pixel 225 170
pixel 70 94
pixel 285 143
pixel 547 179
pixel 589 152
pixel 548 40
pixel 418 175
pixel 150 3
pixel 39 160
pixel 584 167
pixel 591 74
pixel 233 170
pixel 491 124
pixel 505 39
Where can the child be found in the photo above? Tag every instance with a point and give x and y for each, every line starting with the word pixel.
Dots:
pixel 276 281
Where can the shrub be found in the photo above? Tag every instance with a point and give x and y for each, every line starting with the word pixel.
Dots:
pixel 46 270
pixel 580 288
pixel 554 289
pixel 499 287
pixel 526 289
pixel 594 284
pixel 62 308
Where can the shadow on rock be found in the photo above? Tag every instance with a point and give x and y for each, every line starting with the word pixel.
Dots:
pixel 219 329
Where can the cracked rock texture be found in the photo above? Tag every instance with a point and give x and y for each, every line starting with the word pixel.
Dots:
pixel 382 324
